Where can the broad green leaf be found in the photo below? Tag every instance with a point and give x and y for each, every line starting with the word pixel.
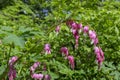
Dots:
pixel 24 29
pixel 12 38
pixel 6 28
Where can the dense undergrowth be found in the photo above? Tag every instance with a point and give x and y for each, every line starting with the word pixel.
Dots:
pixel 27 25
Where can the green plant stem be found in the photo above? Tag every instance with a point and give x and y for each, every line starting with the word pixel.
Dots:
pixel 2 76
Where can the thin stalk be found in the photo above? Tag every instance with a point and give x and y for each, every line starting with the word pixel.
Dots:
pixel 2 76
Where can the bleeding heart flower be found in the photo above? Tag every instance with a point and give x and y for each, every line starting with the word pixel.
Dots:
pixel 12 71
pixel 76 36
pixel 57 29
pixel 47 77
pixel 64 51
pixel 13 60
pixel 69 23
pixel 74 25
pixel 71 61
pixel 80 26
pixel 47 48
pixel 85 29
pixel 92 34
pixel 37 76
pixel 34 66
pixel 99 56
pixel 93 37
pixel 95 41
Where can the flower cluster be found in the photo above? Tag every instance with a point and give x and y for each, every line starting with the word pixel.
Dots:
pixel 75 29
pixel 94 40
pixel 99 56
pixel 33 67
pixel 70 58
pixel 12 71
pixel 35 75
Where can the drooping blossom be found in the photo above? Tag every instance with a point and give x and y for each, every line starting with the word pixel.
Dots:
pixel 12 71
pixel 75 29
pixel 47 48
pixel 102 53
pixel 95 41
pixel 44 67
pixel 85 29
pixel 47 77
pixel 13 60
pixel 74 25
pixel 76 36
pixel 80 27
pixel 71 62
pixel 32 71
pixel 37 76
pixel 64 51
pixel 69 23
pixel 92 34
pixel 93 37
pixel 34 66
pixel 96 50
pixel 99 56
pixel 76 41
pixel 57 30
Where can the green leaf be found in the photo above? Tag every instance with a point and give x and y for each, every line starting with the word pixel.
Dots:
pixel 51 35
pixel 117 31
pixel 6 28
pixel 2 69
pixel 65 28
pixel 116 75
pixel 66 71
pixel 12 38
pixel 53 75
pixel 23 29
